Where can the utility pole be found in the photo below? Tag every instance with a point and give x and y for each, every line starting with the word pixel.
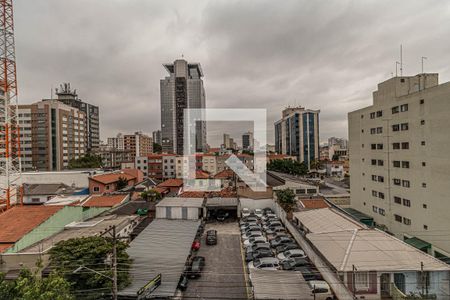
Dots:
pixel 354 280
pixel 112 231
pixel 423 58
pixel 422 281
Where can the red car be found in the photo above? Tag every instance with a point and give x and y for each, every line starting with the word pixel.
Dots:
pixel 196 245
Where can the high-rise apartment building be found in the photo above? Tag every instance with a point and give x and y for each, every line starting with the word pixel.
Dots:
pixel 116 142
pixel 157 137
pixel 138 143
pixel 247 141
pixel 297 134
pixel 182 89
pixel 69 97
pixel 399 161
pixel 52 134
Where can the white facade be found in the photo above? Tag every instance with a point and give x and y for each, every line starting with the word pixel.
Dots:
pixel 399 161
pixel 209 164
pixel 141 163
pixel 180 208
pixel 169 165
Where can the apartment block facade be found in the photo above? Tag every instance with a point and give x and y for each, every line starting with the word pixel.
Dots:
pixel 297 134
pixel 182 89
pixel 138 143
pixel 399 162
pixel 92 115
pixel 52 134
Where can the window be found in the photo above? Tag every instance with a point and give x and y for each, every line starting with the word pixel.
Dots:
pixel 373 130
pixel 379 146
pixel 395 110
pixel 395 127
pixel 374 208
pixel 396 146
pixel 96 189
pixel 423 143
pixel 407 202
pixel 404 126
pixel 373 146
pixel 405 145
pixel 374 162
pixel 404 107
pixel 362 116
pixel 374 177
pixel 422 122
pixel 405 183
pixel 380 162
pixel 424 184
pixel 396 163
pixel 379 113
pixel 372 115
pixel 107 187
pixel 381 211
pixel 381 195
pixel 424 164
pixel 380 179
pixel 362 130
pixel 422 101
pixel 406 221
pixel 397 181
pixel 374 193
pixel 405 164
pixel 425 227
pixel 397 200
pixel 398 218
pixel 379 130
pixel 362 280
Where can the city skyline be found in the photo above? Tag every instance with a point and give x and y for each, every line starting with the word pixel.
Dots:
pixel 108 68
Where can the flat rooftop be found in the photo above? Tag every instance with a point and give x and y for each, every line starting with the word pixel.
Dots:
pixel 326 220
pixel 180 202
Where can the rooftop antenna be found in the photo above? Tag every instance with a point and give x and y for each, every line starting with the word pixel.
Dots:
pixel 401 60
pixel 396 68
pixel 423 58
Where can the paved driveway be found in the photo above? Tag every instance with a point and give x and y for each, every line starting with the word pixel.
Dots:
pixel 223 275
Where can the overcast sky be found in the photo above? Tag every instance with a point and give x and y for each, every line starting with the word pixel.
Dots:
pixel 326 55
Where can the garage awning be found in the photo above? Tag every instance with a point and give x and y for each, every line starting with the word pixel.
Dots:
pixel 217 202
pixel 418 243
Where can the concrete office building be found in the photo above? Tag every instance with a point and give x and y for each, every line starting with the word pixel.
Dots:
pixel 92 119
pixel 138 143
pixel 399 161
pixel 116 142
pixel 156 136
pixel 52 134
pixel 297 134
pixel 247 141
pixel 182 89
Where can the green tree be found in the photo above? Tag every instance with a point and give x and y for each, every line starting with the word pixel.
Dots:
pixel 157 148
pixel 29 287
pixel 286 199
pixel 288 166
pixel 86 162
pixel 95 253
pixel 151 195
pixel 316 164
pixel 122 183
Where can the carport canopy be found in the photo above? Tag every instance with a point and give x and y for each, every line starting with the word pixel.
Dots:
pixel 223 203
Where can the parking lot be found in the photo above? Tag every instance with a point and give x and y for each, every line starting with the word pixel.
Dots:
pixel 223 276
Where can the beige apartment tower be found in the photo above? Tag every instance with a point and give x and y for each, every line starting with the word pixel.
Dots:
pixel 399 161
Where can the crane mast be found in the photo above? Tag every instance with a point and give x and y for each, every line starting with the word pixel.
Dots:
pixel 10 161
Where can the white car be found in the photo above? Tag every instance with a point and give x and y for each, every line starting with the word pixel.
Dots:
pixel 245 212
pixel 251 234
pixel 254 240
pixel 320 290
pixel 265 263
pixel 291 254
pixel 259 212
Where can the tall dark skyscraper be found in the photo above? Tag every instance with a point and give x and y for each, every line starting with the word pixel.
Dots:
pixel 183 88
pixel 67 96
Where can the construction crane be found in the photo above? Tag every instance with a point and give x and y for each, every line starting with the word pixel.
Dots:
pixel 10 164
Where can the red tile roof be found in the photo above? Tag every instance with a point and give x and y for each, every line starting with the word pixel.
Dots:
pixel 160 190
pixel 225 174
pixel 112 177
pixel 19 220
pixel 315 203
pixel 174 182
pixel 3 247
pixel 104 201
pixel 201 174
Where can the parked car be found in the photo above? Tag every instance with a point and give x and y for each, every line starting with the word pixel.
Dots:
pixel 247 225
pixel 254 241
pixel 266 263
pixel 267 211
pixel 273 225
pixel 285 247
pixel 271 237
pixel 258 254
pixel 248 219
pixel 196 267
pixel 245 212
pixel 268 217
pixel 310 273
pixel 295 264
pixel 259 212
pixel 196 245
pixel 251 228
pixel 259 246
pixel 280 240
pixel 183 283
pixel 222 215
pixel 290 254
pixel 211 237
pixel 320 290
pixel 276 229
pixel 251 234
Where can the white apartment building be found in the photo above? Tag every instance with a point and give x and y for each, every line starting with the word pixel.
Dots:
pixel 169 163
pixel 209 164
pixel 141 163
pixel 399 160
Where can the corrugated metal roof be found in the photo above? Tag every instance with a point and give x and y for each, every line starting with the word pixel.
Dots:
pixel 372 250
pixel 269 284
pixel 326 220
pixel 162 247
pixel 180 202
pixel 218 201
